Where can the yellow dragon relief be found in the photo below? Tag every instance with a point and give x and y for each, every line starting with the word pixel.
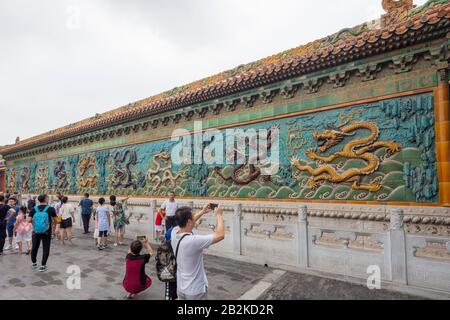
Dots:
pixel 87 180
pixel 357 149
pixel 162 171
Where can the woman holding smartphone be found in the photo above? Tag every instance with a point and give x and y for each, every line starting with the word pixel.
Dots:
pixel 136 280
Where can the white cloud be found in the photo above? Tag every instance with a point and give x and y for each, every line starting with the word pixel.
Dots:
pixel 53 74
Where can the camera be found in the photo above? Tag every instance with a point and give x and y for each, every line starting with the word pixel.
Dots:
pixel 213 206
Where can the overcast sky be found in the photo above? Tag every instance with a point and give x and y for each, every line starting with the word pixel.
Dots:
pixel 65 60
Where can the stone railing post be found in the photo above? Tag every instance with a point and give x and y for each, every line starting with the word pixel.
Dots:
pixel 152 218
pixel 236 229
pixel 190 204
pixel 79 215
pixel 398 247
pixel 302 236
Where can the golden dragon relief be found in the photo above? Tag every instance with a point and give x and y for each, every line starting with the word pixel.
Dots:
pixel 86 179
pixel 161 171
pixel 361 149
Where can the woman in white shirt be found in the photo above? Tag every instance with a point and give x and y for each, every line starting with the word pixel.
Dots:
pixel 68 218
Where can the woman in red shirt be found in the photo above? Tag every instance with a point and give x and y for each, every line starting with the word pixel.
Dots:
pixel 136 281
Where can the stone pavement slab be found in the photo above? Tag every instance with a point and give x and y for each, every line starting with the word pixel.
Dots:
pixel 294 286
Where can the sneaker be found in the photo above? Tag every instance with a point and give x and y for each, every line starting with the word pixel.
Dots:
pixel 8 247
pixel 100 248
pixel 42 269
pixel 34 266
pixel 115 244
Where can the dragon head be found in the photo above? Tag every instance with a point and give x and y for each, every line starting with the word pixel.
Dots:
pixel 164 156
pixel 330 137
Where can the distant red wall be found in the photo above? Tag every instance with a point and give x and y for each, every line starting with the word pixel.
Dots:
pixel 2 181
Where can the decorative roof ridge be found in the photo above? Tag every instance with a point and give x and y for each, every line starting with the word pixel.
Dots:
pixel 235 79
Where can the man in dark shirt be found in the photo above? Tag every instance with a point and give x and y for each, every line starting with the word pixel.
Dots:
pixel 5 211
pixel 45 238
pixel 86 211
pixel 31 203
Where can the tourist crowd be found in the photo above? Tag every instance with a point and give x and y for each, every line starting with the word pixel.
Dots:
pixel 24 227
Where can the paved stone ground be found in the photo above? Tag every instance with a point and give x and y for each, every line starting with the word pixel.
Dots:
pixel 103 272
pixel 293 286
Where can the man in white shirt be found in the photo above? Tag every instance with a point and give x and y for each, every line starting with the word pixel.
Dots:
pixel 192 283
pixel 171 207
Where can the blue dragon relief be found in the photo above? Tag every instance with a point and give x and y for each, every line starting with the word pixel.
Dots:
pixel 25 179
pixel 33 169
pixel 197 174
pixel 61 175
pixel 101 160
pixel 122 162
pixel 73 165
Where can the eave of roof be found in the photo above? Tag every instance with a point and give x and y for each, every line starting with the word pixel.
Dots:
pixel 342 47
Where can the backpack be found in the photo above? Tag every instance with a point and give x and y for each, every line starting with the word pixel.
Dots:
pixel 41 222
pixel 166 261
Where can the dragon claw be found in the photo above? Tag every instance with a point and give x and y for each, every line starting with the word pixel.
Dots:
pixel 311 155
pixel 313 184
pixel 295 161
pixel 394 148
pixel 376 188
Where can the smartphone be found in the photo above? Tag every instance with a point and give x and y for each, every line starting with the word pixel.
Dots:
pixel 213 206
pixel 141 238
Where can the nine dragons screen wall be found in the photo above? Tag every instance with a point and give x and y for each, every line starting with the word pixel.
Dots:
pixel 382 151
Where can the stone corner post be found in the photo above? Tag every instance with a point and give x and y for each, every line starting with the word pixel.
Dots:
pixel 152 218
pixel 398 247
pixel 237 229
pixel 302 236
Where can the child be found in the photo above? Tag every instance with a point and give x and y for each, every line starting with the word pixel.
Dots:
pixel 160 215
pixel 136 281
pixel 23 230
pixel 103 219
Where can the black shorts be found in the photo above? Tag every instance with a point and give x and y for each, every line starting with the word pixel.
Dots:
pixel 66 223
pixel 102 234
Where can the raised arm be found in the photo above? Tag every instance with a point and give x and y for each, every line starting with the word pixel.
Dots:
pixel 202 212
pixel 219 235
pixel 148 247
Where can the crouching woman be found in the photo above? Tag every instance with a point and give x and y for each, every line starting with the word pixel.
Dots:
pixel 136 280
